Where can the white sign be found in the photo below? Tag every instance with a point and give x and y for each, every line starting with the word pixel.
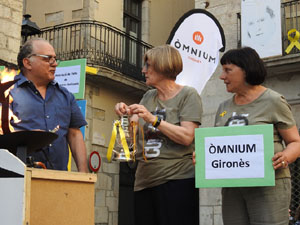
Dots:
pixel 198 37
pixel 261 26
pixel 68 77
pixel 230 157
pixel 12 189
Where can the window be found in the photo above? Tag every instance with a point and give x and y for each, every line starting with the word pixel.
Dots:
pixel 132 17
pixel 132 24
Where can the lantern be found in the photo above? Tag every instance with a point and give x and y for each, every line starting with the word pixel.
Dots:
pixel 122 145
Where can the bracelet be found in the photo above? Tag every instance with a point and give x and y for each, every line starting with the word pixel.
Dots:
pixel 153 124
pixel 157 121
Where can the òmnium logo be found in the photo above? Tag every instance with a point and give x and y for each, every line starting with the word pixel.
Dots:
pixel 198 37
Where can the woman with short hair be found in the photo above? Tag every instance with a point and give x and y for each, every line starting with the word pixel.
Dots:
pixel 252 104
pixel 164 187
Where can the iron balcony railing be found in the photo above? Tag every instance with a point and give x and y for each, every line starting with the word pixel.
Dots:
pixel 290 19
pixel 100 43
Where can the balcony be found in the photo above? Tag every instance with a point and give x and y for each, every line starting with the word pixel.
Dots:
pixel 101 44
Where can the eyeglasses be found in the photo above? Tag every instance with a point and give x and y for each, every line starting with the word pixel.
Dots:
pixel 146 65
pixel 50 59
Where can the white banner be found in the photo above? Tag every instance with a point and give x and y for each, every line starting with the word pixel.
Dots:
pixel 199 37
pixel 261 26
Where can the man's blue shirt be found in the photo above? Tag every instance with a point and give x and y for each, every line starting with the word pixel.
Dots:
pixel 59 108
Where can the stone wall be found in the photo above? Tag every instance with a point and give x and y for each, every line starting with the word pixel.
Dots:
pixel 107 186
pixel 101 99
pixel 10 29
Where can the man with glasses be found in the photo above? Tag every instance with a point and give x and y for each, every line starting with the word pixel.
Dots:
pixel 42 104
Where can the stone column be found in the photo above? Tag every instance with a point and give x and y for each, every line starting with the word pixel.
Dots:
pixel 146 20
pixel 10 29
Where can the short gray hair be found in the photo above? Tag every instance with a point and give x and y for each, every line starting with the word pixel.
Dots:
pixel 26 50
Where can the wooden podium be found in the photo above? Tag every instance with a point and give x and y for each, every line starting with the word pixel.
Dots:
pixel 59 197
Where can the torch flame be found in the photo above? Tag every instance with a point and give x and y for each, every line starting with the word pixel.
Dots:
pixel 6 76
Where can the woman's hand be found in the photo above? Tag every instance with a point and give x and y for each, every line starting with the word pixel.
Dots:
pixel 292 150
pixel 121 109
pixel 182 134
pixel 194 158
pixel 142 112
pixel 280 161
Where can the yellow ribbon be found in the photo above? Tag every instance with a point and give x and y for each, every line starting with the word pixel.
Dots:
pixel 143 137
pixel 134 125
pixel 293 40
pixel 223 113
pixel 117 124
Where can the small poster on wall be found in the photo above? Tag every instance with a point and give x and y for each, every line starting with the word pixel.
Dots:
pixel 261 26
pixel 71 75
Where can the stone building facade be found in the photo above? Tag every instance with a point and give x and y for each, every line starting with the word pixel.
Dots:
pixel 10 30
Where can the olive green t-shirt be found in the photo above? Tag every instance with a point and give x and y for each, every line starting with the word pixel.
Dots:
pixel 166 159
pixel 269 108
